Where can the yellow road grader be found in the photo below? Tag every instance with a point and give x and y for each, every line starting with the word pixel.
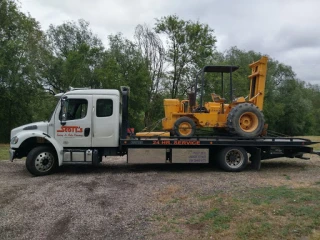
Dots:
pixel 242 116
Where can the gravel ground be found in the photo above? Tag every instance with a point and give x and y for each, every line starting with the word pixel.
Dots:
pixel 117 201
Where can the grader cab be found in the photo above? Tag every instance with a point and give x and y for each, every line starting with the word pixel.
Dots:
pixel 241 116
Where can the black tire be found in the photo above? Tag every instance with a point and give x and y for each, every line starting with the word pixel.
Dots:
pixel 42 161
pixel 245 120
pixel 233 159
pixel 184 127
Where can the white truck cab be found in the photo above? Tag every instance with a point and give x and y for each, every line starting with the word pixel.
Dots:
pixel 83 121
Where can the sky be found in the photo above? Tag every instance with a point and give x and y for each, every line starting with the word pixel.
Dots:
pixel 286 30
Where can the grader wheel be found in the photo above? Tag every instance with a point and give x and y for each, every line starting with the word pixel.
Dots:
pixel 184 127
pixel 245 120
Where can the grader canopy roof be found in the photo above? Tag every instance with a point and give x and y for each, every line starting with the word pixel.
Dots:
pixel 221 69
pixel 215 69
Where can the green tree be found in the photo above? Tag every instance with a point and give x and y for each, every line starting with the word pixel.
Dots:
pixel 190 46
pixel 153 53
pixel 296 118
pixel 124 65
pixel 20 61
pixel 311 94
pixel 74 54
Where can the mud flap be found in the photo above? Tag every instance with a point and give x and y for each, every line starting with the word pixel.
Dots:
pixel 255 158
pixel 95 158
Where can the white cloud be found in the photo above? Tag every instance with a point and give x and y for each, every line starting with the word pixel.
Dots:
pixel 287 30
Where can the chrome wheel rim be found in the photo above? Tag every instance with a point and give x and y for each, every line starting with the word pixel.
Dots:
pixel 234 158
pixel 44 161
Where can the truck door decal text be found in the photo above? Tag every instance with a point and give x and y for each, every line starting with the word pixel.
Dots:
pixel 70 131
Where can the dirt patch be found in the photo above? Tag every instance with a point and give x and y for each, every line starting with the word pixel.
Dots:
pixel 168 193
pixel 59 228
pixel 119 201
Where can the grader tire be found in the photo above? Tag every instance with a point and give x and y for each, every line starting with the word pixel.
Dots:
pixel 245 120
pixel 184 127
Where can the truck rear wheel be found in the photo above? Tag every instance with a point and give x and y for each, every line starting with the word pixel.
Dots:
pixel 184 127
pixel 41 161
pixel 233 159
pixel 245 120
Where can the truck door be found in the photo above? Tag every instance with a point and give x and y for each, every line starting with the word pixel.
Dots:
pixel 77 130
pixel 105 120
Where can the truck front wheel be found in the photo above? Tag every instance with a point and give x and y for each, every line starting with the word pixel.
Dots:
pixel 41 161
pixel 233 159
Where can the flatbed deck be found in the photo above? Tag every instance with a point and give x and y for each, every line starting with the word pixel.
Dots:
pixel 261 148
pixel 218 141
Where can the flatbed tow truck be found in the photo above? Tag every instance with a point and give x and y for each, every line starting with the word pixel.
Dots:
pixel 88 124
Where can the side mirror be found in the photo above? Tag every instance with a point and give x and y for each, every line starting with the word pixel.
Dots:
pixel 64 110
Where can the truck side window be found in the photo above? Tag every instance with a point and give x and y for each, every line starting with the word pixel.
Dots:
pixel 77 109
pixel 104 107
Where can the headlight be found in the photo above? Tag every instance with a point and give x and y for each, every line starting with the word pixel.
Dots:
pixel 14 140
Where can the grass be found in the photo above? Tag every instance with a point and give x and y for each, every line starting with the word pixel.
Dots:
pixel 290 213
pixel 4 151
pixel 260 213
pixel 279 212
pixel 287 177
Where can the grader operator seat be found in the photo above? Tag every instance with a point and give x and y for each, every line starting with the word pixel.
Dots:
pixel 217 69
pixel 217 98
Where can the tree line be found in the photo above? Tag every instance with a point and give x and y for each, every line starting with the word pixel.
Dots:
pixel 36 64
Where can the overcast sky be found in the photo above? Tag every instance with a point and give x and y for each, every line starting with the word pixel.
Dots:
pixel 286 30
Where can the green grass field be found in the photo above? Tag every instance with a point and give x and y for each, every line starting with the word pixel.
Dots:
pixel 260 213
pixel 4 151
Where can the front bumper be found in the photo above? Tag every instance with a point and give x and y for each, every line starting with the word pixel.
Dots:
pixel 12 153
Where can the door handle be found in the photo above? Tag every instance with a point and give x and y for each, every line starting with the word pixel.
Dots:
pixel 86 132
